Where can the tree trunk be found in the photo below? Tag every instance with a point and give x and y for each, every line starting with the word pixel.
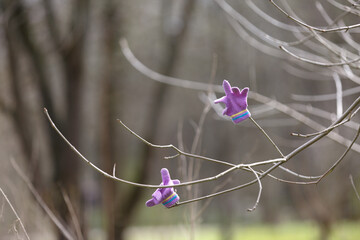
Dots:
pixel 109 190
pixel 125 208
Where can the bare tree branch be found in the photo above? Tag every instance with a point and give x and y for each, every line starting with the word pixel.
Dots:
pixel 325 97
pixel 327 129
pixel 323 30
pixel 322 64
pixel 233 166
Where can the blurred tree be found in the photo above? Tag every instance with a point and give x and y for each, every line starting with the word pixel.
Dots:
pixel 69 49
pixel 111 31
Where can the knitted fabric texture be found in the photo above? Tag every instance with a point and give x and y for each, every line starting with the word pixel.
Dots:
pixel 167 196
pixel 236 102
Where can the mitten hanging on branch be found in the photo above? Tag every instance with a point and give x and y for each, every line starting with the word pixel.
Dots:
pixel 236 102
pixel 167 196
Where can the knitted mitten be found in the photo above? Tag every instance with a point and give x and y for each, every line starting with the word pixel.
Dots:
pixel 236 102
pixel 167 196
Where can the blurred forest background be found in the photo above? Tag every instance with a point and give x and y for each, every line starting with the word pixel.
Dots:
pixel 65 55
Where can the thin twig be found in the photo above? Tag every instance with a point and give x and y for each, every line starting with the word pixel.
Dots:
pixel 241 32
pixel 273 21
pixel 114 169
pixel 207 203
pixel 322 64
pixel 341 158
pixel 345 8
pixel 350 109
pixel 2 209
pixel 240 19
pixel 16 215
pixel 74 218
pixel 170 146
pixel 345 35
pixel 321 113
pixel 306 74
pixel 196 141
pixel 292 182
pixel 327 129
pixel 277 148
pixel 182 159
pixel 339 96
pixel 288 27
pixel 348 72
pixel 259 193
pixel 340 52
pixel 267 136
pixel 279 151
pixel 277 23
pixel 171 157
pixel 161 78
pixel 41 202
pixel 224 191
pixel 180 152
pixel 323 131
pixel 344 28
pixel 236 20
pixel 325 97
pixel 353 185
pixel 297 174
pixel 93 165
pixel 193 171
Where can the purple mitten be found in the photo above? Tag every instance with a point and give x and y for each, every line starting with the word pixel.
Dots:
pixel 236 102
pixel 167 196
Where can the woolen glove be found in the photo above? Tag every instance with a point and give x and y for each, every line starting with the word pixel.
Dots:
pixel 236 102
pixel 167 196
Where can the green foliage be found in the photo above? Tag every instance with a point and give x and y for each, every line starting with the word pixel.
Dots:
pixel 284 231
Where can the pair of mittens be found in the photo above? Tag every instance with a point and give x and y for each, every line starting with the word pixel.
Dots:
pixel 236 108
pixel 167 196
